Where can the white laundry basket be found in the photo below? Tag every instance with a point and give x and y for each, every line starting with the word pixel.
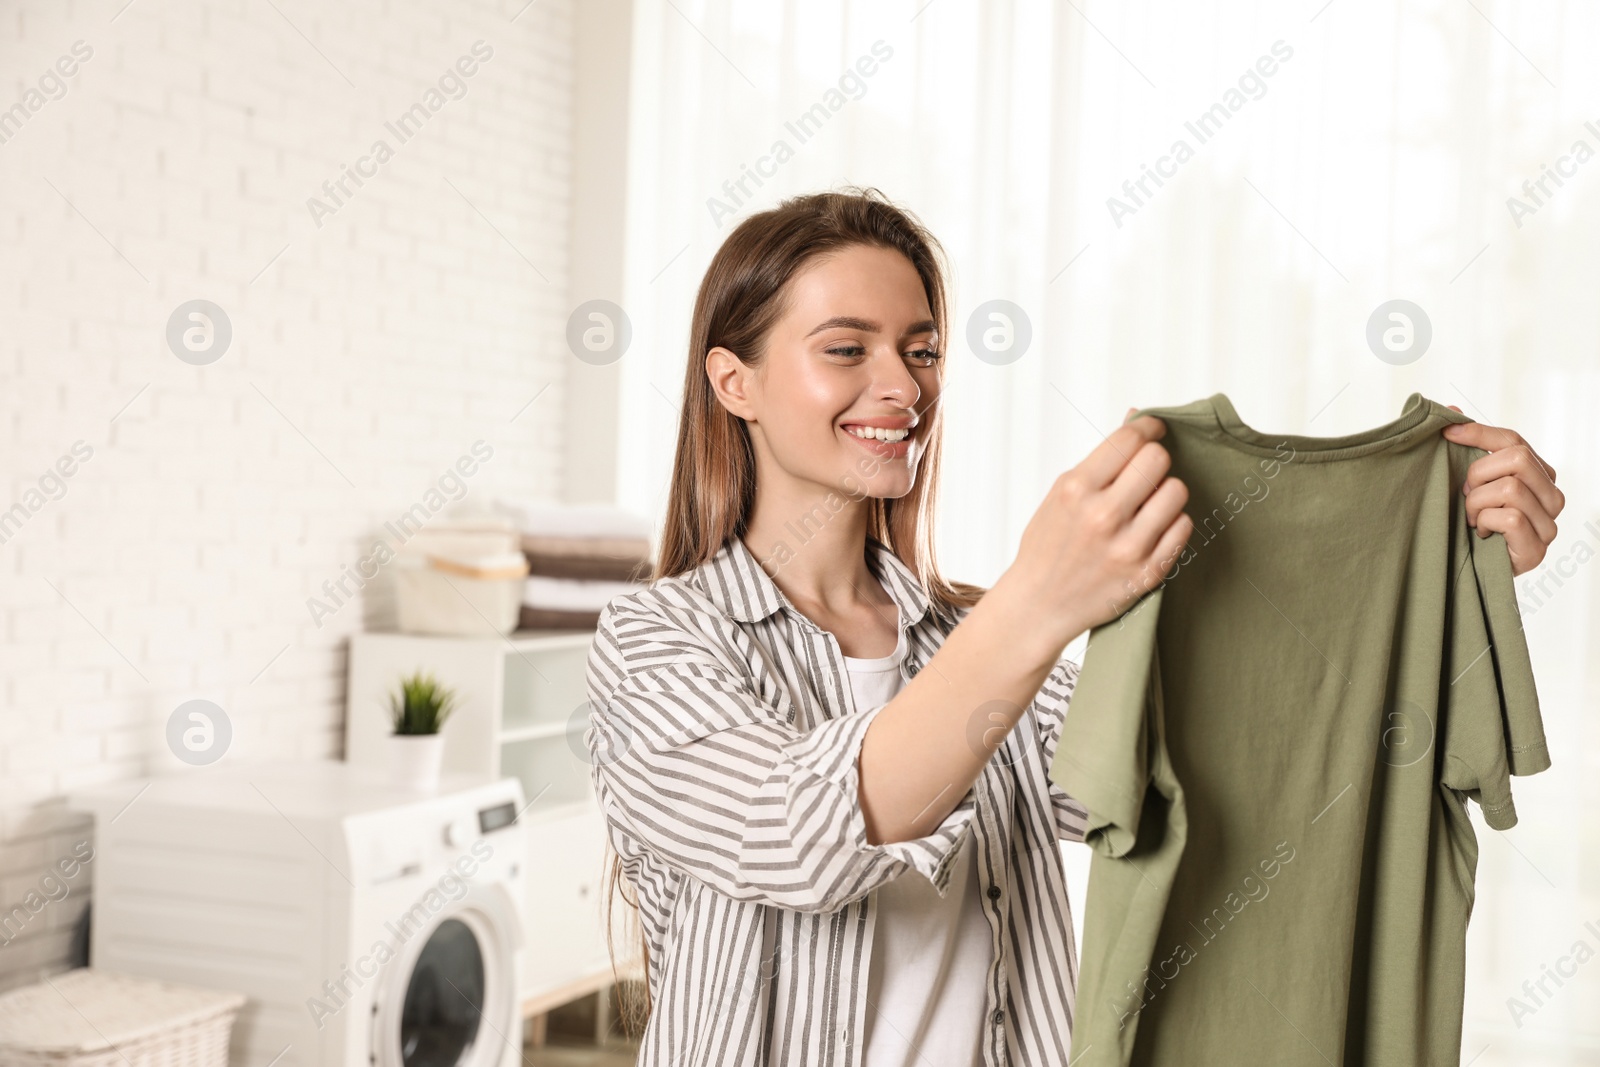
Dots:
pixel 461 577
pixel 91 1018
pixel 462 595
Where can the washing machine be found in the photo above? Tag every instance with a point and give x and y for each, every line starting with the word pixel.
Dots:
pixel 370 925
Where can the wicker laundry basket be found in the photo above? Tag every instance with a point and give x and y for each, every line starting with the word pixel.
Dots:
pixel 92 1018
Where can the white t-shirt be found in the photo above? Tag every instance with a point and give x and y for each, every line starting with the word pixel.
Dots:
pixel 930 955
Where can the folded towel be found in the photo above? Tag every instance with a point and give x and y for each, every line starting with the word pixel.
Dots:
pixel 550 518
pixel 632 549
pixel 571 594
pixel 541 619
pixel 590 568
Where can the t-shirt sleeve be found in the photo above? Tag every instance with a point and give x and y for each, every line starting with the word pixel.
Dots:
pixel 1104 758
pixel 1047 714
pixel 1491 721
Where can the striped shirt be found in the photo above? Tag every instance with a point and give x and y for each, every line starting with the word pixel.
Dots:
pixel 723 739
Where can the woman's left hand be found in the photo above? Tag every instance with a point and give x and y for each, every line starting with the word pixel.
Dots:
pixel 1511 491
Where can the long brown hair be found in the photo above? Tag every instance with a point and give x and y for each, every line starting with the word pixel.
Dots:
pixel 741 298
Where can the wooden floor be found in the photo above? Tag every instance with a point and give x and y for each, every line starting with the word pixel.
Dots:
pixel 570 1035
pixel 557 1055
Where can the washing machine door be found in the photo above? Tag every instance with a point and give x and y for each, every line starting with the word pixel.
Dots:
pixel 449 997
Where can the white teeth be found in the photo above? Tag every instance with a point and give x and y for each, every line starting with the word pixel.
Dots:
pixel 877 434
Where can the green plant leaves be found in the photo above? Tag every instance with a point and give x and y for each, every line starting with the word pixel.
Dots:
pixel 421 705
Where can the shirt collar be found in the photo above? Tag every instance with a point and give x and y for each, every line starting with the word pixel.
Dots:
pixel 738 584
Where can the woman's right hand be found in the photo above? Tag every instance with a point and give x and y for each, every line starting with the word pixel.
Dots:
pixel 1104 535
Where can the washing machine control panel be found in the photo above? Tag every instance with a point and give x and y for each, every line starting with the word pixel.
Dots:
pixel 496 817
pixel 418 842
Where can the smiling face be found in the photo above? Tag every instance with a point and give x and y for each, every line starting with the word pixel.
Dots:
pixel 853 360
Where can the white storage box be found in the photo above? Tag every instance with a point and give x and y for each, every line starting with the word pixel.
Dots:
pixel 460 577
pixel 471 596
pixel 90 1018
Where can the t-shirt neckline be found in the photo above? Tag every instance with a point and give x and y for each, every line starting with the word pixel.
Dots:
pixel 880 663
pixel 1416 411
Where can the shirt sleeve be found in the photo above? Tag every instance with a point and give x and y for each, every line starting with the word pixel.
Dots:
pixel 1104 758
pixel 1049 715
pixel 693 763
pixel 1045 717
pixel 1491 722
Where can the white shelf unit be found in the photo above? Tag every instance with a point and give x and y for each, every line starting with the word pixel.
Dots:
pixel 522 712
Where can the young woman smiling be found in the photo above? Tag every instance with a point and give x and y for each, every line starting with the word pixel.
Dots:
pixel 824 768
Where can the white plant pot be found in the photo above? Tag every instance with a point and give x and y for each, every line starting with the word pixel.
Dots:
pixel 415 759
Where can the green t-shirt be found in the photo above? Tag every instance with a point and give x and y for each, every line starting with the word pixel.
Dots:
pixel 1275 743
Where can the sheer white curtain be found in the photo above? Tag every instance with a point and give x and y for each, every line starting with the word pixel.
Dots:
pixel 1340 155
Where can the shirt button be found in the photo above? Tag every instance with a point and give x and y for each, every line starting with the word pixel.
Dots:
pixel 999 1016
pixel 994 892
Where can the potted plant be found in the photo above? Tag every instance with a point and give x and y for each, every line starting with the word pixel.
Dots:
pixel 416 748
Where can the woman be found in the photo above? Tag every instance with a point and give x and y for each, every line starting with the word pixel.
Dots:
pixel 796 726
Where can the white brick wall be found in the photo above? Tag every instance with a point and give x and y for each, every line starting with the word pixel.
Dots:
pixel 409 325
